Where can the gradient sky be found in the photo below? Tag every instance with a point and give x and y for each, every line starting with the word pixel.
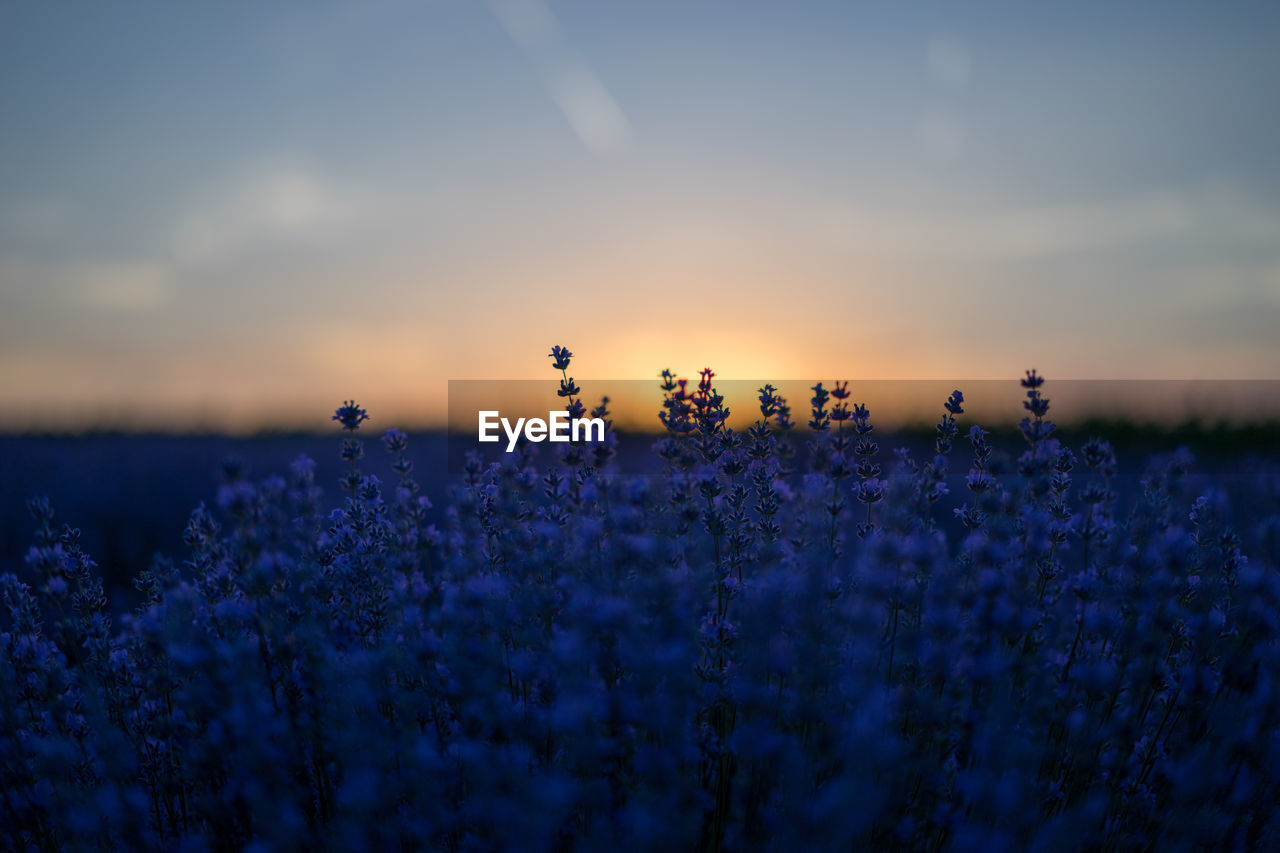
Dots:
pixel 232 214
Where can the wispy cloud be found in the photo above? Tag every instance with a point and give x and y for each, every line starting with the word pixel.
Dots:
pixel 286 206
pixel 586 103
pixel 138 286
pixel 283 204
pixel 1212 216
pixel 108 285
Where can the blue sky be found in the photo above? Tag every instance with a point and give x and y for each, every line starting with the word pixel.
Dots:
pixel 234 214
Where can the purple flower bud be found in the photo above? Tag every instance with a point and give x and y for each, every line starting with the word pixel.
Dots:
pixel 560 357
pixel 350 415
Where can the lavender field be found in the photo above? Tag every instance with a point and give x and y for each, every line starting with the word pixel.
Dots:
pixel 786 637
pixel 308 543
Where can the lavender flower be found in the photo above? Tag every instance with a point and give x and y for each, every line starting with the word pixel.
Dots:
pixel 560 357
pixel 350 415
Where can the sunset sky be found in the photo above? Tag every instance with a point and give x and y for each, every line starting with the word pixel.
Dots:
pixel 229 215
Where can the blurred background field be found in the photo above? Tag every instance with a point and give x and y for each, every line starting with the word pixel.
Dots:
pixel 131 494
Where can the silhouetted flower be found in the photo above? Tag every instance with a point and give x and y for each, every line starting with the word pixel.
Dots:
pixel 560 357
pixel 350 415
